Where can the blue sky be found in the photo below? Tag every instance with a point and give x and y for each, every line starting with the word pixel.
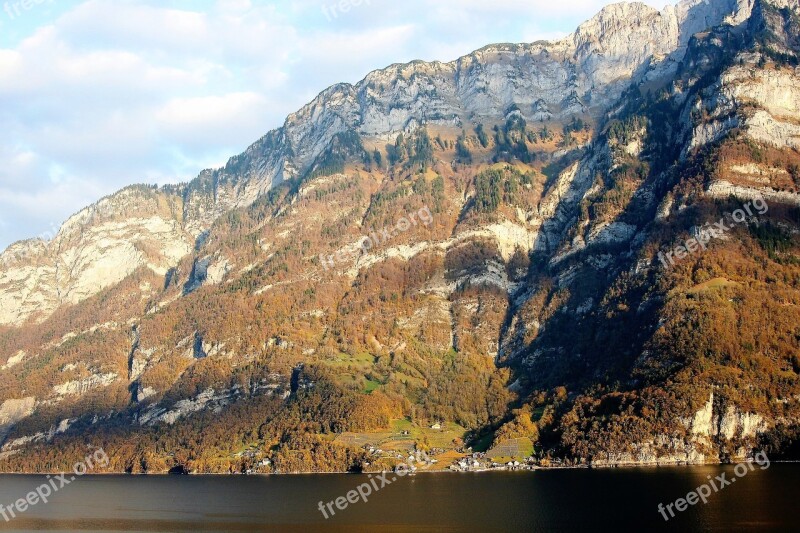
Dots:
pixel 99 94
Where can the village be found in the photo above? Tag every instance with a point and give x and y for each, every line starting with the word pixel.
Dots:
pixel 439 447
pixel 416 448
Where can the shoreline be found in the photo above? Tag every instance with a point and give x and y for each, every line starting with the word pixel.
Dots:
pixel 445 471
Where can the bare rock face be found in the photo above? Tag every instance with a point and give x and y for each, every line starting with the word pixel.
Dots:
pixel 775 93
pixel 712 424
pixel 82 386
pixel 12 411
pixel 95 249
pixel 724 422
pixel 583 73
pixel 14 360
pixel 724 189
pixel 27 282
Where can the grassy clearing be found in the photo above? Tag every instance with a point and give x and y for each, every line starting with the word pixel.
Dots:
pixel 398 426
pixel 359 362
pixel 442 438
pixel 370 385
pixel 399 445
pixel 359 440
pixel 712 284
pixel 351 370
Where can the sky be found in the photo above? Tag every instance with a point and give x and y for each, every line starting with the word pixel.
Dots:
pixel 99 94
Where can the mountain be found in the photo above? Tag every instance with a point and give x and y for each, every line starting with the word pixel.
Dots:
pixel 580 75
pixel 589 245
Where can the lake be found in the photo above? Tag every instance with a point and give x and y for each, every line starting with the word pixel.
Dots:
pixel 551 500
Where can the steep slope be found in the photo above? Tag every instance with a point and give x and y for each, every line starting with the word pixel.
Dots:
pixel 688 359
pixel 475 243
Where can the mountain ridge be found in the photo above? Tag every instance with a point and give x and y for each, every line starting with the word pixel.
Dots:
pixel 288 152
pixel 532 306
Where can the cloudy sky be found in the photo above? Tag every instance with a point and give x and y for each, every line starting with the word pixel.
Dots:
pixel 99 94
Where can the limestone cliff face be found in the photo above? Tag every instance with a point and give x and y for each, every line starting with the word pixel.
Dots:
pixel 716 431
pixel 12 411
pixel 95 249
pixel 582 73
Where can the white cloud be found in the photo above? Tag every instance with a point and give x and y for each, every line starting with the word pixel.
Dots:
pixel 203 121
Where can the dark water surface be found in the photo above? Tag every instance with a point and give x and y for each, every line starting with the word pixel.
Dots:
pixel 553 500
